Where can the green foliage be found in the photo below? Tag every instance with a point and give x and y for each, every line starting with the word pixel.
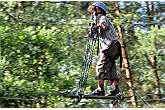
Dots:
pixel 151 42
pixel 36 54
pixel 42 46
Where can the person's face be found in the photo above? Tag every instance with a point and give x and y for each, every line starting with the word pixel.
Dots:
pixel 92 9
pixel 98 10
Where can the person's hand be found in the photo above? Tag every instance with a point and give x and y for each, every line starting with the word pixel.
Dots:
pixel 105 51
pixel 102 26
pixel 94 27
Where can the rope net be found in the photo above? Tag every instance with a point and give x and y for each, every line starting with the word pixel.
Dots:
pixel 86 65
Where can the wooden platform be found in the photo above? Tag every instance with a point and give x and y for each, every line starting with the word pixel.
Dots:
pixel 91 96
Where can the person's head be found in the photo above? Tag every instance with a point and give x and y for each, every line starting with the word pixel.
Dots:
pixel 97 8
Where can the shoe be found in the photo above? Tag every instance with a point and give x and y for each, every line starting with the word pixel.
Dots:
pixel 98 92
pixel 114 93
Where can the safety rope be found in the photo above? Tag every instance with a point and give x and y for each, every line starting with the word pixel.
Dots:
pixel 86 65
pixel 92 37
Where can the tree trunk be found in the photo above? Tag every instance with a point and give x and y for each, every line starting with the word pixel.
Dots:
pixel 125 59
pixel 152 11
pixel 152 58
pixel 152 61
pixel 149 18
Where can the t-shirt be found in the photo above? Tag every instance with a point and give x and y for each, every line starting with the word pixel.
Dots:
pixel 108 35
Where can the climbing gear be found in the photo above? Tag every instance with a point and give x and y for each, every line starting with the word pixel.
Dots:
pixel 101 5
pixel 98 92
pixel 87 60
pixel 85 67
pixel 86 64
pixel 92 36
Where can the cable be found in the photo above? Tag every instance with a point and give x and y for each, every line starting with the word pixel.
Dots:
pixel 15 98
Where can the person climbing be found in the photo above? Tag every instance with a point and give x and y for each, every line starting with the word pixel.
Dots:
pixel 109 51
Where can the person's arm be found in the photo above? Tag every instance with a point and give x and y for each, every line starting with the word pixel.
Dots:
pixel 103 25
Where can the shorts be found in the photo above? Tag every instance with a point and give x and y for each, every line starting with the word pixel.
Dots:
pixel 106 65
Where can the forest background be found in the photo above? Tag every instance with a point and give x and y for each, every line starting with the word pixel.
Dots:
pixel 42 47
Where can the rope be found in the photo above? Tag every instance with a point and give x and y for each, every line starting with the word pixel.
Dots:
pixel 86 65
pixel 75 96
pixel 92 37
pixel 34 99
pixel 16 98
pixel 140 96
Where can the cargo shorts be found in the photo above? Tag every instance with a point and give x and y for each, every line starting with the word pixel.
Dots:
pixel 106 65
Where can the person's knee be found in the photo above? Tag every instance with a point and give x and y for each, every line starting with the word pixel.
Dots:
pixel 113 81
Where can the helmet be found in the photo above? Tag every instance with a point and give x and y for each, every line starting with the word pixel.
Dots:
pixel 100 5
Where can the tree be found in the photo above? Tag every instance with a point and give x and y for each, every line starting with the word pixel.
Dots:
pixel 152 58
pixel 150 45
pixel 40 51
pixel 125 59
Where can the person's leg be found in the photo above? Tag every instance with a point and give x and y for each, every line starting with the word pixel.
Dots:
pixel 113 54
pixel 115 87
pixel 100 89
pixel 100 76
pixel 100 84
pixel 114 83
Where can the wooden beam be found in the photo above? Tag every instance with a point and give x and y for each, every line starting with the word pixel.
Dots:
pixel 91 96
